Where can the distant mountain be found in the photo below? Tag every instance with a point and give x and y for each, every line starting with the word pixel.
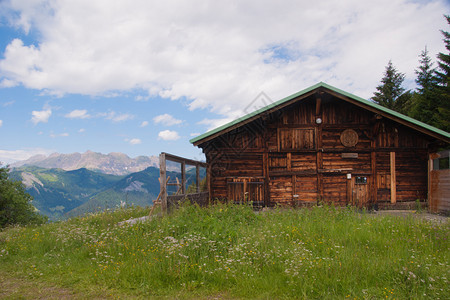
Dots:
pixel 56 192
pixel 139 188
pixel 60 194
pixel 112 163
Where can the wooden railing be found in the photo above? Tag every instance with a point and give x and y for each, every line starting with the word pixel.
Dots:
pixel 169 201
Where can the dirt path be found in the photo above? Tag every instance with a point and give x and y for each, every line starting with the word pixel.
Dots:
pixel 22 288
pixel 15 288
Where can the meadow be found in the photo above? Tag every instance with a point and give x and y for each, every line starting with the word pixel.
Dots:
pixel 229 251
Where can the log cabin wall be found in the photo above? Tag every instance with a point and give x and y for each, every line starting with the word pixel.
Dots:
pixel 353 156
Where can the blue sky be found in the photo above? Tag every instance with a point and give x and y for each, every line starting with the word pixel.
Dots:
pixel 142 77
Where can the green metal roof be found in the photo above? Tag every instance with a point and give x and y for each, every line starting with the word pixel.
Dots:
pixel 444 135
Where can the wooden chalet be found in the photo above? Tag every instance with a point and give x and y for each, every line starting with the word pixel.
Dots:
pixel 321 145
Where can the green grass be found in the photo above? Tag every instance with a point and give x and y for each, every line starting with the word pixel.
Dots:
pixel 229 251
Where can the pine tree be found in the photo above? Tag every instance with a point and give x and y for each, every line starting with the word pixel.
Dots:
pixel 424 105
pixel 390 92
pixel 443 79
pixel 15 203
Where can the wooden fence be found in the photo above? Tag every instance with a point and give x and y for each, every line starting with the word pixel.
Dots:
pixel 170 201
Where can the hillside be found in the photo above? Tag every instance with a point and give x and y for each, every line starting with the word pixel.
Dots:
pixel 55 191
pixel 113 163
pixel 139 188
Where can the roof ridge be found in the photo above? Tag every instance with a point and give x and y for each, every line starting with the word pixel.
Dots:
pixel 334 89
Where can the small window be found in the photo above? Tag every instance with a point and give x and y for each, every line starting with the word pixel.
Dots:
pixel 361 180
pixel 441 163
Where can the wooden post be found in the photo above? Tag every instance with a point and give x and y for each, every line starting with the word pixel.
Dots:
pixel 197 177
pixel 183 178
pixel 163 181
pixel 319 167
pixel 350 190
pixel 374 182
pixel 246 194
pixel 432 203
pixel 393 179
pixel 208 178
pixel 266 177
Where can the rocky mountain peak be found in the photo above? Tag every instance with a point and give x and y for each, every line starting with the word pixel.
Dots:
pixel 115 163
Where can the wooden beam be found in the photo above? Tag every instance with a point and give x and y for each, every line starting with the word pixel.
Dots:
pixel 318 104
pixel 163 181
pixel 180 160
pixel 289 161
pixel 393 178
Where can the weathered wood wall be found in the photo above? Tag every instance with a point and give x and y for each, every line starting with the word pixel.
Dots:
pixel 440 191
pixel 353 156
pixel 439 182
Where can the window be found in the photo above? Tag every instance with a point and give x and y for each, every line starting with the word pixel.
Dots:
pixel 360 180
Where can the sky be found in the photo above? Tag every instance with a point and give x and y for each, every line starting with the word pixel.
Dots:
pixel 144 77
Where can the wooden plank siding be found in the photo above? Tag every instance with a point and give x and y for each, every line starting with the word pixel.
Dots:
pixel 296 160
pixel 440 191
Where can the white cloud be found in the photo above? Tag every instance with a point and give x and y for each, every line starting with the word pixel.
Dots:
pixel 168 135
pixel 214 123
pixel 195 134
pixel 64 134
pixel 1 123
pixel 141 98
pixel 215 55
pixel 6 83
pixel 144 123
pixel 134 141
pixel 78 114
pixel 10 156
pixel 41 116
pixel 115 117
pixel 9 103
pixel 166 119
pixel 81 130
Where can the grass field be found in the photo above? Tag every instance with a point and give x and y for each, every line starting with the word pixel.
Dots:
pixel 228 251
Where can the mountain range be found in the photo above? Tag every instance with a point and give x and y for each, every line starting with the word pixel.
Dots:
pixel 113 163
pixel 68 185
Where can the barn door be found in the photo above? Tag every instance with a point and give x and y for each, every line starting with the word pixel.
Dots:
pixel 246 189
pixel 360 190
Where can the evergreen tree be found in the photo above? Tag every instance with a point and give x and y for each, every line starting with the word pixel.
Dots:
pixel 15 203
pixel 443 79
pixel 424 105
pixel 390 92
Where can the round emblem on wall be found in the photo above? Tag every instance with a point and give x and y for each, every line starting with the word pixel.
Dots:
pixel 349 138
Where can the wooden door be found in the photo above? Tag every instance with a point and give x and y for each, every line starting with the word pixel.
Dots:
pixel 360 190
pixel 246 189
